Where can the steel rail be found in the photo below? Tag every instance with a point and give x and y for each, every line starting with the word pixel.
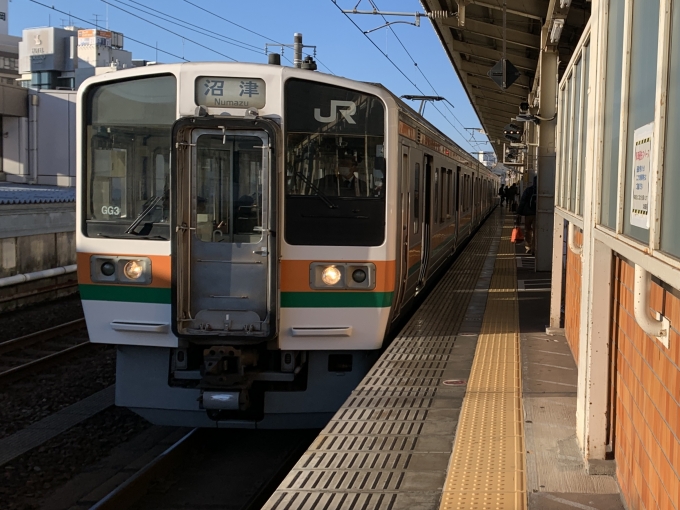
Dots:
pixel 15 372
pixel 258 500
pixel 40 336
pixel 135 487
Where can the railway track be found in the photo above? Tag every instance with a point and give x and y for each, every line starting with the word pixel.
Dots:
pixel 30 353
pixel 171 470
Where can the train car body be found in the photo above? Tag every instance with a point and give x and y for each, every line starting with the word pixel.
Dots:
pixel 248 234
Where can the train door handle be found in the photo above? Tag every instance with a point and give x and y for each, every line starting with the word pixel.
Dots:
pixel 261 251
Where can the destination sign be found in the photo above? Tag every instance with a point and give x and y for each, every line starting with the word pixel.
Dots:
pixel 221 92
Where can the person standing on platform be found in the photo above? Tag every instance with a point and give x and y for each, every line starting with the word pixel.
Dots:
pixel 510 194
pixel 527 208
pixel 501 193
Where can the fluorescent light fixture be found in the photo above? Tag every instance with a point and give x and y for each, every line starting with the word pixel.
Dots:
pixel 556 30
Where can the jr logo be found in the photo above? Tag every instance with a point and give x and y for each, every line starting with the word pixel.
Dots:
pixel 349 109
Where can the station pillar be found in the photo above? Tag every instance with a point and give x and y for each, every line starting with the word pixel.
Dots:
pixel 546 161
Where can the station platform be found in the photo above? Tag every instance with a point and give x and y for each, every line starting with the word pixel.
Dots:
pixel 472 406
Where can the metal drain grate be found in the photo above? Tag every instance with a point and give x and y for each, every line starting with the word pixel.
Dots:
pixel 327 500
pixel 374 480
pixel 381 414
pixel 536 285
pixel 362 460
pixel 364 443
pixel 526 262
pixel 389 445
pixel 375 428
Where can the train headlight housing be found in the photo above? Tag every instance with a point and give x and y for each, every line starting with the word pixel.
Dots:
pixel 347 276
pixel 133 270
pixel 128 270
pixel 331 275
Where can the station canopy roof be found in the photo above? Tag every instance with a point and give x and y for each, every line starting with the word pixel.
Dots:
pixel 472 34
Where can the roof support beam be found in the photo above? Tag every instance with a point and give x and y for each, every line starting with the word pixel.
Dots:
pixel 505 108
pixel 488 116
pixel 485 83
pixel 480 71
pixel 484 52
pixel 494 31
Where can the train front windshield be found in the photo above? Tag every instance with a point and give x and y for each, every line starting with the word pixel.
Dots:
pixel 335 166
pixel 128 129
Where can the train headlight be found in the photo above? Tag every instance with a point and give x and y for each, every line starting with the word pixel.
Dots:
pixel 359 275
pixel 133 270
pixel 108 268
pixel 331 275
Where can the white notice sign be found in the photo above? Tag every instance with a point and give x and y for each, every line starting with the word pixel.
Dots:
pixel 642 166
pixel 221 92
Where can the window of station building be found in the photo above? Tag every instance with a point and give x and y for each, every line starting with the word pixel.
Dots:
pixel 565 175
pixel 670 210
pixel 561 145
pixel 643 56
pixel 612 114
pixel 584 132
pixel 575 135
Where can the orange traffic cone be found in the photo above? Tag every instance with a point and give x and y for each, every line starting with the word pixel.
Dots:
pixel 517 235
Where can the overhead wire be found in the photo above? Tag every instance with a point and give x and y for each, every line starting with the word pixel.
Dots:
pixel 476 142
pixel 398 68
pixel 191 26
pixel 127 36
pixel 169 31
pixel 253 32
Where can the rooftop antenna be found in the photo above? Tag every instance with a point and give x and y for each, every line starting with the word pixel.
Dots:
pixel 298 47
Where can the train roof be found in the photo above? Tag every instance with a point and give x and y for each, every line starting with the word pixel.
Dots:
pixel 289 71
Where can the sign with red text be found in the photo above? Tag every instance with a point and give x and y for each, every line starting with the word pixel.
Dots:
pixel 642 167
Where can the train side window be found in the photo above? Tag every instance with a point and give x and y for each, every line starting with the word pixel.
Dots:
pixel 458 184
pixel 416 198
pixel 443 194
pixel 449 192
pixel 436 196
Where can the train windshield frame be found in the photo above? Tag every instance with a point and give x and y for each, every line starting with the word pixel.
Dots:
pixel 126 157
pixel 335 165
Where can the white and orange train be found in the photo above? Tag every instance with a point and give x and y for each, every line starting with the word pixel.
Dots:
pixel 249 234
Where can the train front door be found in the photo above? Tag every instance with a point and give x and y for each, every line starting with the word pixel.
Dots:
pixel 223 266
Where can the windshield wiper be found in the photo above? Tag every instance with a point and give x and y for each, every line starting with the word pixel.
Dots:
pixel 319 193
pixel 144 214
pixel 132 236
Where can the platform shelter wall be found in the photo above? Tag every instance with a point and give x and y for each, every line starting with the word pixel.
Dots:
pixel 647 414
pixel 617 181
pixel 572 298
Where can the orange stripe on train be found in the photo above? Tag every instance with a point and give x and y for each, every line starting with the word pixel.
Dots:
pixel 161 275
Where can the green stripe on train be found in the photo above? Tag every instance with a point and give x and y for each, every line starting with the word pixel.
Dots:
pixel 127 293
pixel 336 299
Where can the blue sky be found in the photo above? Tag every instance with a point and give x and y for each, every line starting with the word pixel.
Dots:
pixel 340 46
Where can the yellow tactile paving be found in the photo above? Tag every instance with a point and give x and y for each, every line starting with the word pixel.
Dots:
pixel 487 469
